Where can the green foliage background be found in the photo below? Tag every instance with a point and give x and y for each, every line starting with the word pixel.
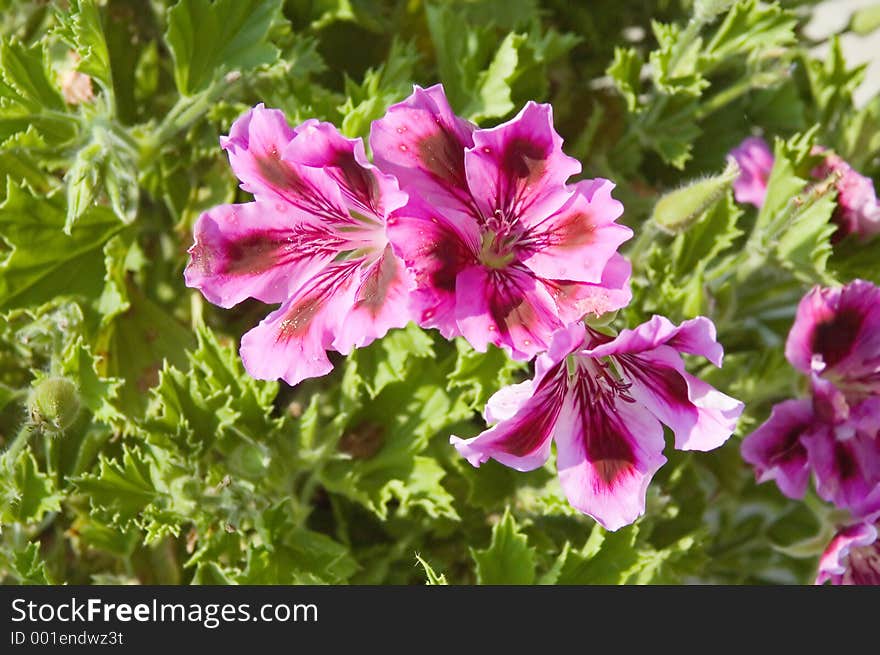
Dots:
pixel 178 468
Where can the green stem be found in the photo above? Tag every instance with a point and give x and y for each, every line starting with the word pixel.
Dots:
pixel 11 454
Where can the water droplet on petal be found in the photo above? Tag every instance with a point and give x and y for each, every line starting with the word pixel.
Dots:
pixel 401 129
pixel 487 149
pixel 403 147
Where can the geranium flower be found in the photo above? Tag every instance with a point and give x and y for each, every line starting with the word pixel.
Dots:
pixel 836 336
pixel 852 557
pixel 313 239
pixel 755 160
pixel 602 400
pixel 857 211
pixel 502 250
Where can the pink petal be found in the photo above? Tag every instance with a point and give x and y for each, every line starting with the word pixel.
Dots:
pixel 256 250
pixel 755 161
pixel 835 562
pixel 365 188
pixel 846 463
pixel 606 456
pixel 695 336
pixel 835 334
pixel 858 211
pixel 380 304
pixel 290 343
pixel 435 248
pixel 701 417
pixel 575 300
pixel 255 143
pixel 422 142
pixel 522 440
pixel 518 168
pixel 776 448
pixel 506 402
pixel 506 307
pixel 576 242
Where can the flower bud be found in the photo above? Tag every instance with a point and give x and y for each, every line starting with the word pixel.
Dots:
pixel 677 210
pixel 54 403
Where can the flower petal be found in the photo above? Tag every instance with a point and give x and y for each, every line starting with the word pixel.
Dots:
pixel 380 303
pixel 290 343
pixel 755 163
pixel 507 307
pixel 776 449
pixel 846 462
pixel 575 300
pixel 365 188
pixel 606 456
pixel 836 334
pixel 835 564
pixel 518 169
pixel 422 142
pixel 576 242
pixel 256 250
pixel 254 145
pixel 695 336
pixel 522 440
pixel 701 417
pixel 435 248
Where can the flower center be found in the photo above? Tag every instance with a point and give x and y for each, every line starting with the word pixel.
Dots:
pixel 498 241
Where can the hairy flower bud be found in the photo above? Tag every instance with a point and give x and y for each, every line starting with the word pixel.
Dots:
pixel 677 210
pixel 54 403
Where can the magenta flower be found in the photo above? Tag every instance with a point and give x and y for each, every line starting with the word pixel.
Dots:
pixel 502 250
pixel 755 160
pixel 857 211
pixel 602 400
pixel 852 557
pixel 313 239
pixel 776 450
pixel 835 435
pixel 836 336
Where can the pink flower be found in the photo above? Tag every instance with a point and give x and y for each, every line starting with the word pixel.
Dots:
pixel 313 239
pixel 857 211
pixel 755 160
pixel 602 400
pixel 852 557
pixel 836 336
pixel 835 435
pixel 502 250
pixel 776 451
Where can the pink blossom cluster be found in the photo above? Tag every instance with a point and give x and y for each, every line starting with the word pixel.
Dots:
pixel 478 233
pixel 858 210
pixel 833 436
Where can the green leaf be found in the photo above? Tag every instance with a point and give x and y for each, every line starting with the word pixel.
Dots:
pixel 387 360
pixel 44 262
pixel 124 490
pixel 432 577
pixel 25 73
pixel 509 559
pixel 96 393
pixel 26 566
pixel 208 39
pixel 34 493
pixel 626 71
pixel 752 27
pixel 708 238
pixel 80 27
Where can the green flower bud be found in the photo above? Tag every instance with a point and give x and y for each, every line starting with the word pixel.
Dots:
pixel 54 403
pixel 677 210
